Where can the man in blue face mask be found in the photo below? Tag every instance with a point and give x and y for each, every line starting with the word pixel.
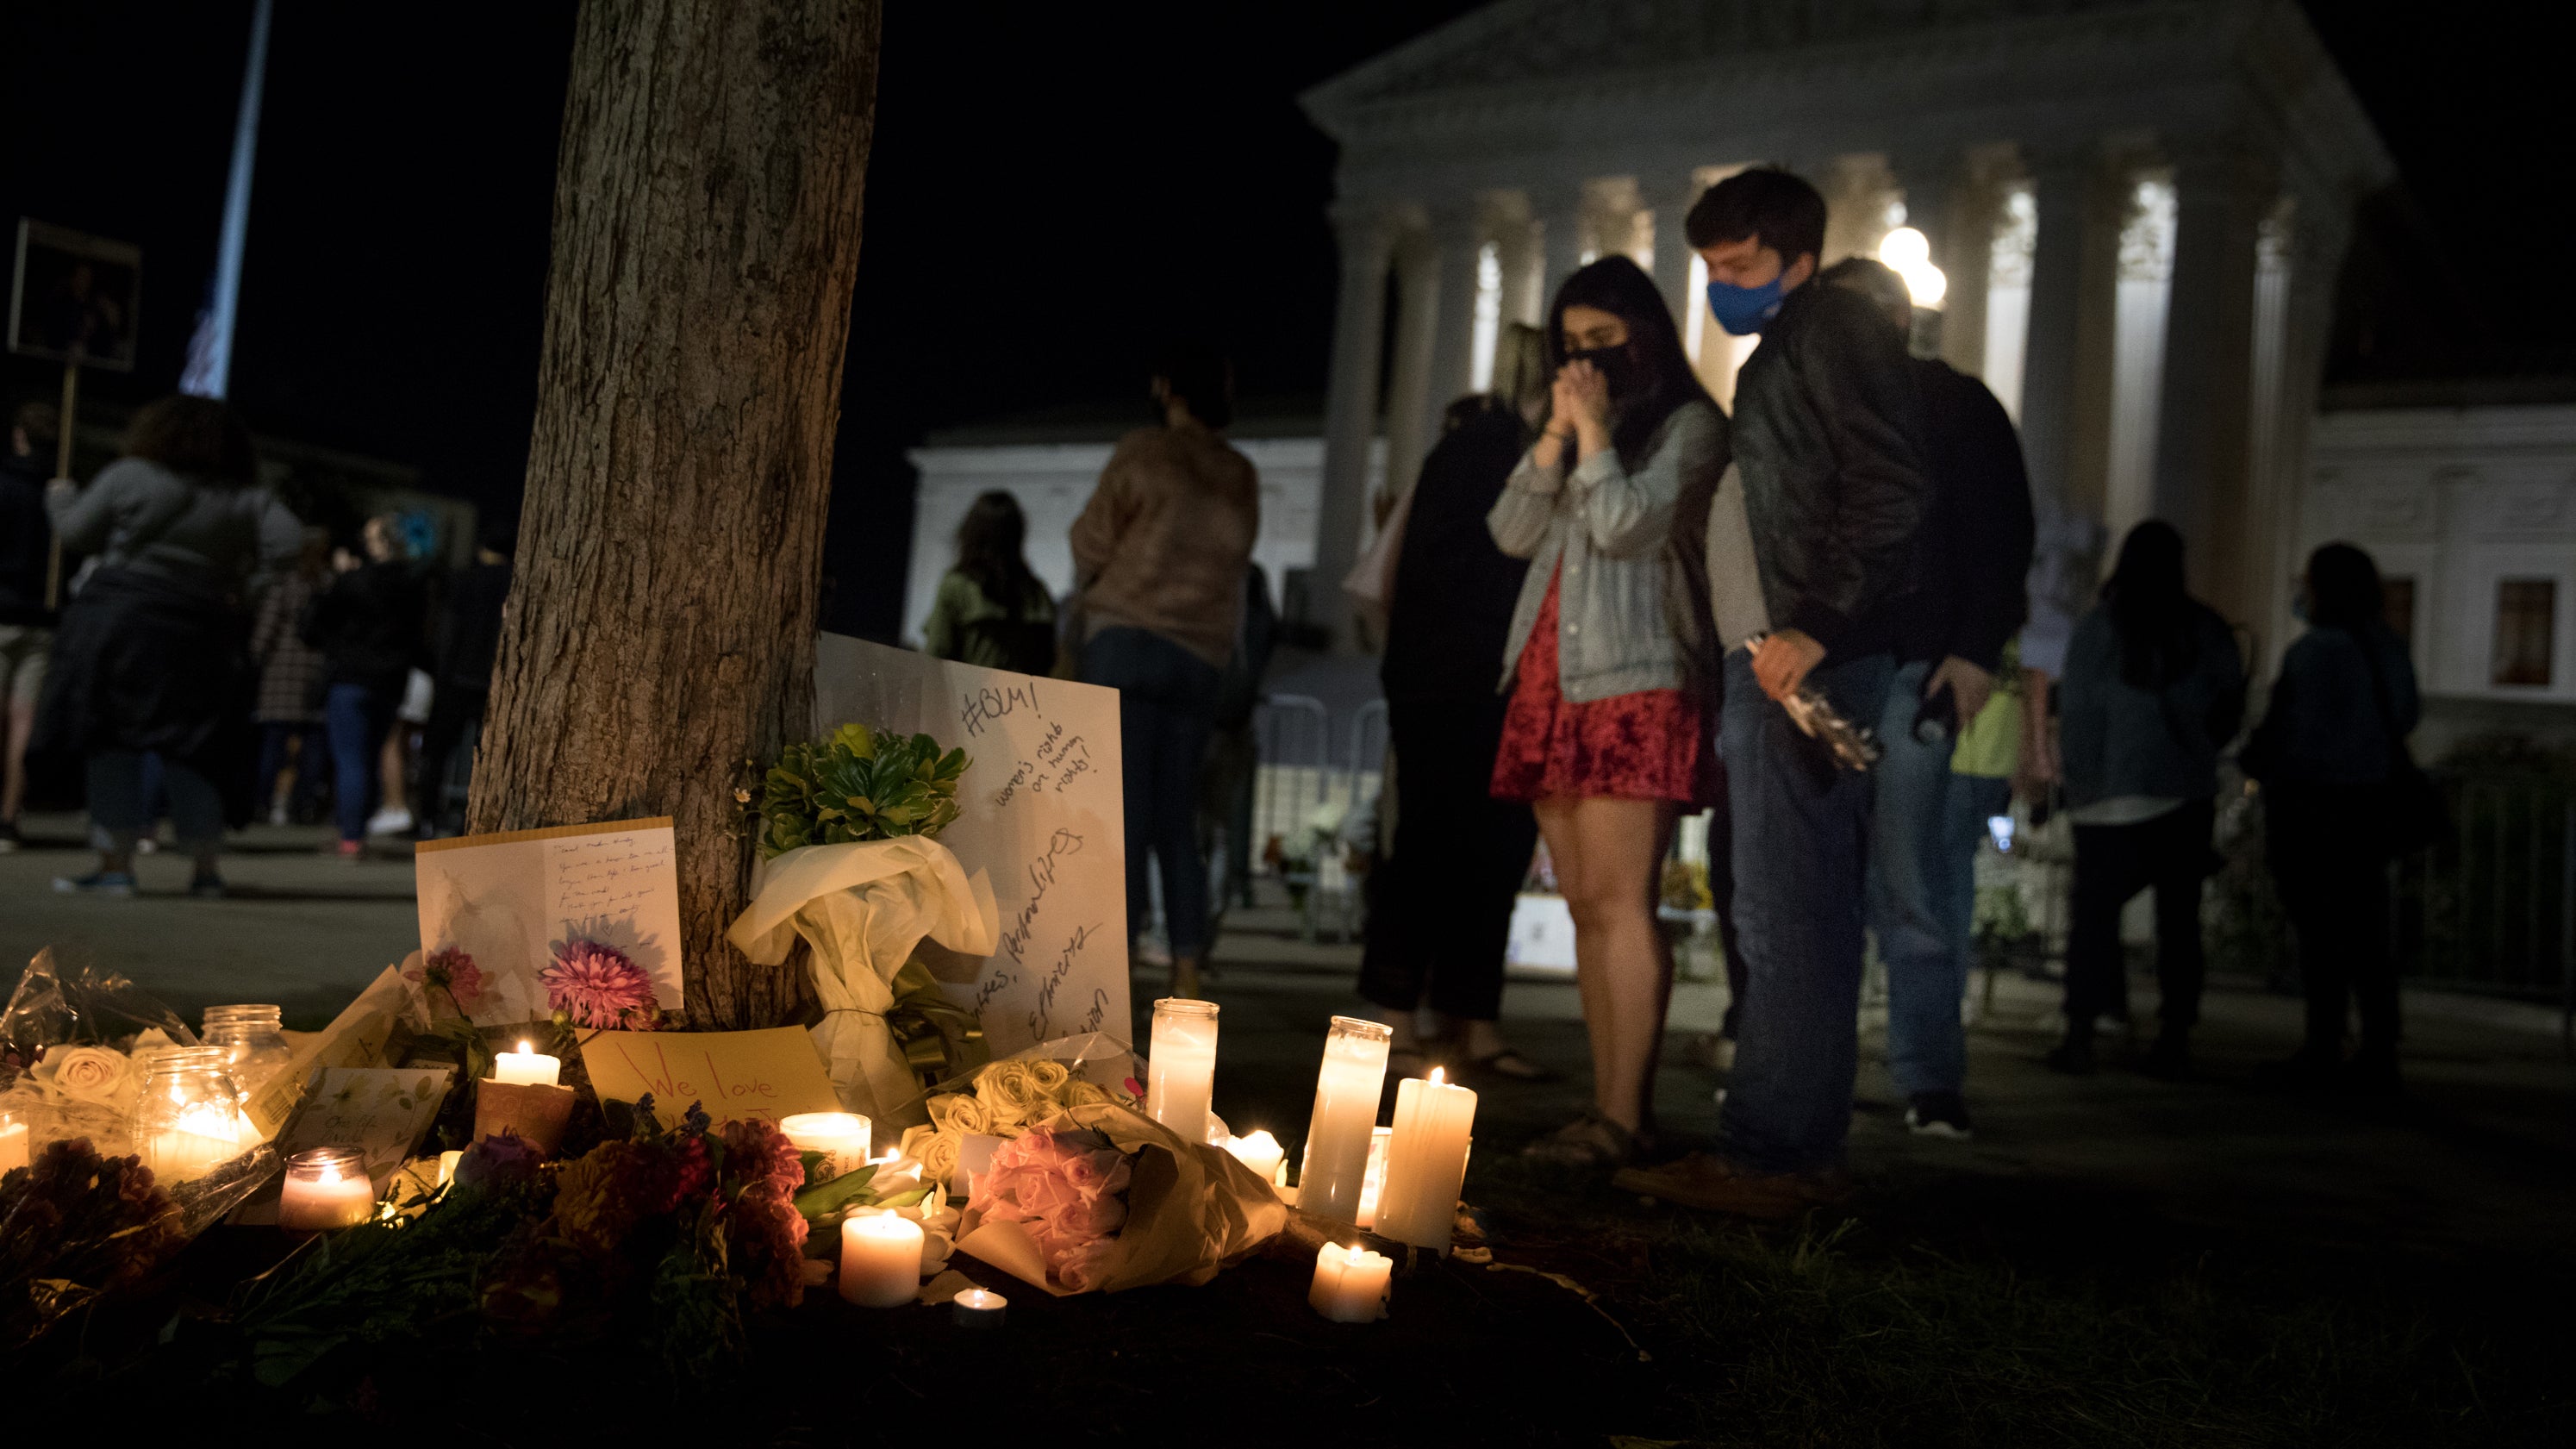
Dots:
pixel 1823 508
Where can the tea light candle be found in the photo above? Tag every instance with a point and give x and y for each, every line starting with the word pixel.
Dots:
pixel 1261 1152
pixel 525 1068
pixel 880 1260
pixel 1350 1283
pixel 13 1141
pixel 842 1138
pixel 1426 1161
pixel 1374 1182
pixel 1180 1074
pixel 1337 1137
pixel 979 1308
pixel 326 1188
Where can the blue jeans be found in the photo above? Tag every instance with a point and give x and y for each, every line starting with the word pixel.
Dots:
pixel 1924 830
pixel 1801 828
pixel 120 802
pixel 1166 711
pixel 358 718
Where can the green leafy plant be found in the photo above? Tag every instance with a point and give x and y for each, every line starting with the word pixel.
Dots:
pixel 858 785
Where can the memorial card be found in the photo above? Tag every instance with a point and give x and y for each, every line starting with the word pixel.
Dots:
pixel 515 901
pixel 732 1074
pixel 1041 814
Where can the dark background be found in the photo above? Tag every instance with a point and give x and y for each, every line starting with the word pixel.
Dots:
pixel 1052 190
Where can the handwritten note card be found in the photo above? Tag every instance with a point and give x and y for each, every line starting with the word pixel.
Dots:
pixel 509 900
pixel 1040 814
pixel 733 1074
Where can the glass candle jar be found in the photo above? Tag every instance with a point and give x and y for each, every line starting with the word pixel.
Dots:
pixel 15 1150
pixel 1180 1071
pixel 326 1188
pixel 188 1120
pixel 253 1042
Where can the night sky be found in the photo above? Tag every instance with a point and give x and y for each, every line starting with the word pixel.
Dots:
pixel 1053 189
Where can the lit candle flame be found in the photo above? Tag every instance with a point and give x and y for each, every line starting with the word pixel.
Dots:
pixel 1439 1075
pixel 523 1046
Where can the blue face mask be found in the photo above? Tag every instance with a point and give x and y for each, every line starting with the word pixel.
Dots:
pixel 1744 311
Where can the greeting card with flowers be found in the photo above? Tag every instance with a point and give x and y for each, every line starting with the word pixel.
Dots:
pixel 579 920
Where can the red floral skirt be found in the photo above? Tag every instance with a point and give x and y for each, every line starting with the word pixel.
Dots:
pixel 1650 745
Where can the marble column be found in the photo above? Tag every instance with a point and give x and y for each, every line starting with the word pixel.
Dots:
pixel 1561 218
pixel 2319 230
pixel 1458 232
pixel 2059 182
pixel 1671 204
pixel 1410 395
pixel 2202 417
pixel 1366 241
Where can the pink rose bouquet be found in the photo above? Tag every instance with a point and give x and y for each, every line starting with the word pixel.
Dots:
pixel 1066 1190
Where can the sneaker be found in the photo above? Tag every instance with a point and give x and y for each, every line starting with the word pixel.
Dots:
pixel 1938 1114
pixel 208 887
pixel 389 821
pixel 351 851
pixel 1710 1183
pixel 96 883
pixel 277 813
pixel 10 839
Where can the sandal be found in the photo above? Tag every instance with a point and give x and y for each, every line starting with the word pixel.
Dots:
pixel 1509 1063
pixel 1589 1141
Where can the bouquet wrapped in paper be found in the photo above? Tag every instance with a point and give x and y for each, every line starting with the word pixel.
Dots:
pixel 851 866
pixel 1100 1197
pixel 73 1041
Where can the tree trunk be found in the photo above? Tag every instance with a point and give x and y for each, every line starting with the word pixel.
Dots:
pixel 660 630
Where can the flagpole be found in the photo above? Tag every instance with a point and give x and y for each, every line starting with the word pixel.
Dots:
pixel 210 369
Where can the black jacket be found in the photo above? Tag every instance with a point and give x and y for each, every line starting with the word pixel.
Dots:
pixel 1454 590
pixel 469 631
pixel 1977 550
pixel 26 539
pixel 371 624
pixel 1827 423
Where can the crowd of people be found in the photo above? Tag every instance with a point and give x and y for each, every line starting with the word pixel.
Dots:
pixel 1613 604
pixel 174 635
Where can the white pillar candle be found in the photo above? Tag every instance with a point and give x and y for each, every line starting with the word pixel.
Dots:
pixel 1260 1152
pixel 13 1142
pixel 842 1138
pixel 1180 1074
pixel 1426 1161
pixel 1337 1137
pixel 326 1188
pixel 979 1308
pixel 1350 1283
pixel 1374 1181
pixel 880 1260
pixel 525 1068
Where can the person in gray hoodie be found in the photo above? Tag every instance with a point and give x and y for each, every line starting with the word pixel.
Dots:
pixel 2154 689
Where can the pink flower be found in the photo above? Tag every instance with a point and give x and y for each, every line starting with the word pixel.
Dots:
pixel 600 986
pixel 452 971
pixel 1063 1190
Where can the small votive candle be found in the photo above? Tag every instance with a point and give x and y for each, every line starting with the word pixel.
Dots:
pixel 1261 1152
pixel 13 1141
pixel 979 1308
pixel 842 1138
pixel 326 1188
pixel 525 1068
pixel 880 1260
pixel 1350 1283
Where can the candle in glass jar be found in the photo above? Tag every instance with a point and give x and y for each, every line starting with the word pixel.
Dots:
pixel 842 1138
pixel 1350 1283
pixel 979 1308
pixel 1374 1181
pixel 1180 1074
pixel 1260 1152
pixel 880 1259
pixel 326 1188
pixel 1337 1137
pixel 13 1141
pixel 525 1068
pixel 447 1165
pixel 203 1138
pixel 1426 1161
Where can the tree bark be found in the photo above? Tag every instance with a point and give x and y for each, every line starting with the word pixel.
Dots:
pixel 660 631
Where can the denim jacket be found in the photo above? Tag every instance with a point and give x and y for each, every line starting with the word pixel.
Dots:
pixel 1609 528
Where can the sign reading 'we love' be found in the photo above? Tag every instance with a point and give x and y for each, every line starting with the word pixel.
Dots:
pixel 733 1074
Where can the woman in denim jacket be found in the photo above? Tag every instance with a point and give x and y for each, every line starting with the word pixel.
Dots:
pixel 1607 663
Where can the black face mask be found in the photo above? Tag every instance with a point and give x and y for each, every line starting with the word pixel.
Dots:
pixel 1617 366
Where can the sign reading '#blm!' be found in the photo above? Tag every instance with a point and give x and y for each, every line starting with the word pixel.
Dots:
pixel 1040 813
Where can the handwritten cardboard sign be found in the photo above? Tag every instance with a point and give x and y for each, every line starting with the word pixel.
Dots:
pixel 733 1074
pixel 509 900
pixel 1041 814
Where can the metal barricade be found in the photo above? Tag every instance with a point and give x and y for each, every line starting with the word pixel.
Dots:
pixel 2492 909
pixel 1292 742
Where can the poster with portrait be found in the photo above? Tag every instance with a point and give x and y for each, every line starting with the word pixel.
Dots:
pixel 73 297
pixel 1040 813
